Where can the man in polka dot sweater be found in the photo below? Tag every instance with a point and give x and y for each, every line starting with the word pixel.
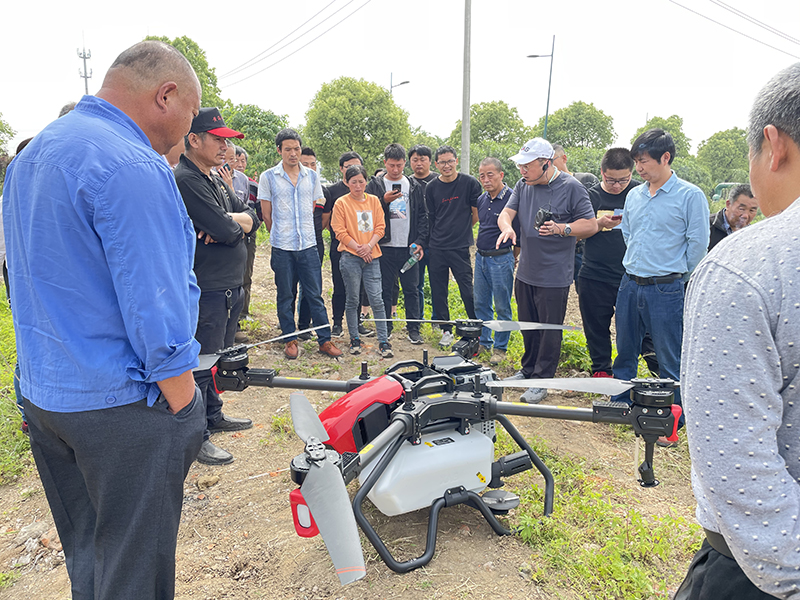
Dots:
pixel 740 375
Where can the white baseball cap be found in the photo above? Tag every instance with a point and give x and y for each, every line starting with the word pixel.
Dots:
pixel 533 149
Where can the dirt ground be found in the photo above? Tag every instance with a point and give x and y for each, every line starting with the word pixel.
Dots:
pixel 237 539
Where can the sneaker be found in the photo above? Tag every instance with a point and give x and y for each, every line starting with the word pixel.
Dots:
pixel 663 442
pixel 498 356
pixel 363 331
pixel 386 350
pixel 329 349
pixel 447 339
pixel 291 350
pixel 304 336
pixel 240 337
pixel 602 374
pixel 414 337
pixel 515 376
pixel 533 395
pixel 355 346
pixel 337 331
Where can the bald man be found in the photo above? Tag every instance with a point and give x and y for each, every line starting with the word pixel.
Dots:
pixel 100 252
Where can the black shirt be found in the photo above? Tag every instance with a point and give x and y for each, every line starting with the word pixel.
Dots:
pixel 450 211
pixel 208 201
pixel 602 256
pixel 335 191
pixel 431 176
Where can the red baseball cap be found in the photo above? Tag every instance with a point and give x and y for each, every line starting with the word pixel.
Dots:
pixel 209 119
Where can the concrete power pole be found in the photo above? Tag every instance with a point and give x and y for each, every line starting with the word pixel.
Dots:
pixel 85 74
pixel 465 101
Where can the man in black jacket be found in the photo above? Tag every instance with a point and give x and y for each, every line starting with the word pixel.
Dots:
pixel 221 221
pixel 739 211
pixel 406 217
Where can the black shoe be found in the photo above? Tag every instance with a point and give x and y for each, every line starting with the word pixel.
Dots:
pixel 304 336
pixel 363 331
pixel 355 346
pixel 386 350
pixel 227 423
pixel 337 331
pixel 414 337
pixel 211 455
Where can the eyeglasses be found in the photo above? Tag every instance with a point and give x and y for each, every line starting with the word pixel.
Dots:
pixel 610 181
pixel 446 163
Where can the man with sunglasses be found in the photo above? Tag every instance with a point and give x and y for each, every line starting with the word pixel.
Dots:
pixel 602 270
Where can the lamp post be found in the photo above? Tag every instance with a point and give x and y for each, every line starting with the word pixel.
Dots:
pixel 392 86
pixel 549 81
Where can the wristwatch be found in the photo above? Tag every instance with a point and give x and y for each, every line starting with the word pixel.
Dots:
pixel 567 230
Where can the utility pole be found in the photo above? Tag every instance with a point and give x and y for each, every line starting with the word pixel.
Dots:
pixel 465 134
pixel 85 74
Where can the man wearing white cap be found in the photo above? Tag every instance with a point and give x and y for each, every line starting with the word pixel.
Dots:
pixel 553 211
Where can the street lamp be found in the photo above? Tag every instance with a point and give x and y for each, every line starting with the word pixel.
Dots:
pixel 549 81
pixel 392 86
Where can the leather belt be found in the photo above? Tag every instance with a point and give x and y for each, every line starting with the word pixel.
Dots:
pixel 653 280
pixel 718 543
pixel 494 252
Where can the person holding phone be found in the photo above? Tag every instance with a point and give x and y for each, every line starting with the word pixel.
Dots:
pixel 406 225
pixel 358 224
pixel 601 271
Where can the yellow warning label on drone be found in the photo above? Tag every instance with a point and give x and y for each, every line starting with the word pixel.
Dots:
pixel 435 396
pixel 366 449
pixel 481 477
pixel 429 444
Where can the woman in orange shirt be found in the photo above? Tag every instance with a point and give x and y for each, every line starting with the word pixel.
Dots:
pixel 358 222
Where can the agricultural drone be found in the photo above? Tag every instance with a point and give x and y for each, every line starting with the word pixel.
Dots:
pixel 423 435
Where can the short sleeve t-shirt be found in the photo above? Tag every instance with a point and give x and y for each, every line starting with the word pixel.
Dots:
pixel 399 213
pixel 450 211
pixel 548 261
pixel 602 256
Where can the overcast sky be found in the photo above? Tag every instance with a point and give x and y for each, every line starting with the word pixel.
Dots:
pixel 630 58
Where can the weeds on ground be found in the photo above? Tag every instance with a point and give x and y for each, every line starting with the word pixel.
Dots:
pixel 7 579
pixel 14 446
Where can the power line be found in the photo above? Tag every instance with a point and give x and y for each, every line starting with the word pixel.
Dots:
pixel 256 58
pixel 734 30
pixel 303 46
pixel 755 21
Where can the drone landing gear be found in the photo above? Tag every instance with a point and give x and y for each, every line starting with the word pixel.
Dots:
pixel 452 497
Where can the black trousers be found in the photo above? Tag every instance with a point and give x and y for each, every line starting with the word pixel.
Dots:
pixel 542 348
pixel 216 328
pixel 713 576
pixel 114 482
pixel 339 293
pixel 392 260
pixel 247 282
pixel 441 263
pixel 304 312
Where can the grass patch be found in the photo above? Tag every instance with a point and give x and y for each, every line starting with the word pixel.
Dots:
pixel 596 542
pixel 14 445
pixel 7 579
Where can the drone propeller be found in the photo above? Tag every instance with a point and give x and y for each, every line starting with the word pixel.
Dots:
pixel 209 360
pixel 594 385
pixel 326 495
pixel 493 325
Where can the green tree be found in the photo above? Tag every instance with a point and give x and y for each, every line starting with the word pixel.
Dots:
pixel 690 169
pixel 579 125
pixel 259 127
pixel 197 58
pixel 6 135
pixel 673 126
pixel 420 136
pixel 492 122
pixel 725 156
pixel 584 160
pixel 354 115
pixel 501 152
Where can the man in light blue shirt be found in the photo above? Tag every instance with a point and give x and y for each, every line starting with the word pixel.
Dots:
pixel 288 193
pixel 100 253
pixel 665 226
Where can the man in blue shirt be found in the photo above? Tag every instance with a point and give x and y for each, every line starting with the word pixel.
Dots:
pixel 288 193
pixel 100 252
pixel 665 227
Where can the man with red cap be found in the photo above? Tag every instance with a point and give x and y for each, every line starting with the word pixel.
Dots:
pixel 221 221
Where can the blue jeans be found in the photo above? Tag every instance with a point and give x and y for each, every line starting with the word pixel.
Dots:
pixel 657 309
pixel 304 266
pixel 494 279
pixel 355 272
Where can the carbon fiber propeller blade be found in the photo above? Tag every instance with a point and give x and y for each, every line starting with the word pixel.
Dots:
pixel 305 419
pixel 590 385
pixel 326 495
pixel 525 326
